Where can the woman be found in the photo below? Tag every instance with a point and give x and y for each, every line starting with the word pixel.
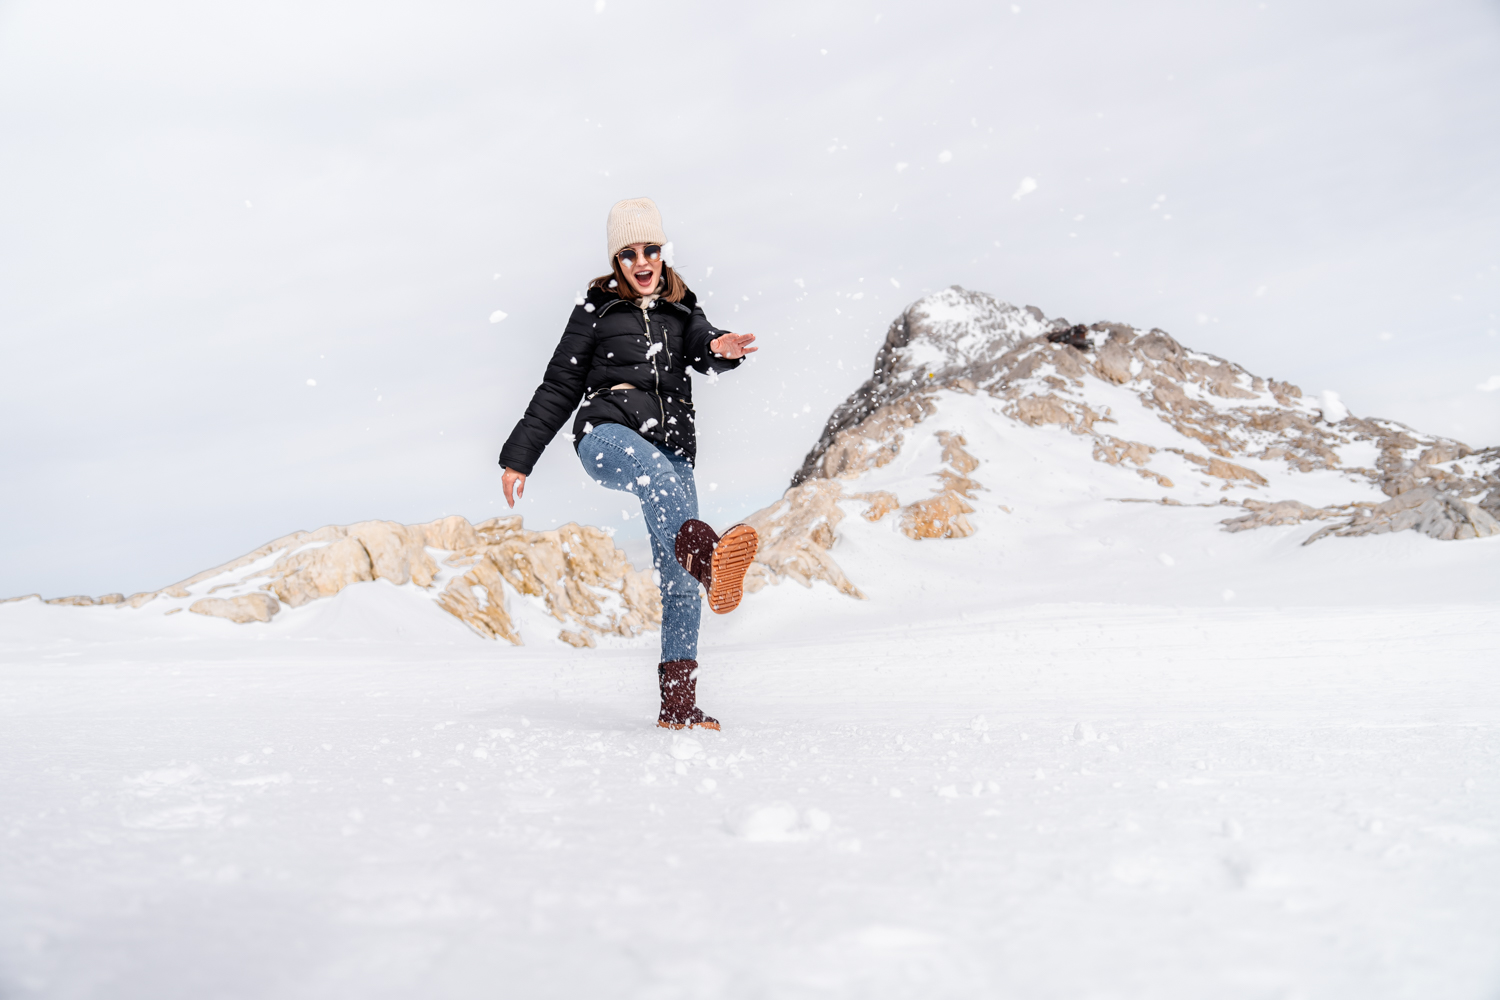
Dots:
pixel 625 354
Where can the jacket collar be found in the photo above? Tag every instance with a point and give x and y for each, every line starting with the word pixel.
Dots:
pixel 603 300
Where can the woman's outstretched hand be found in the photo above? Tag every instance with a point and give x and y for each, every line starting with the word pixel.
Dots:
pixel 733 345
pixel 514 485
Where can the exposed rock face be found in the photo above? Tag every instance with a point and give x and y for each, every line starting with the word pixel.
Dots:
pixel 1283 512
pixel 795 535
pixel 397 553
pixel 310 573
pixel 244 608
pixel 1427 509
pixel 584 582
pixel 797 532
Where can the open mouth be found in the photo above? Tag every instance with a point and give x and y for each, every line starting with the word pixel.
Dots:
pixel 643 278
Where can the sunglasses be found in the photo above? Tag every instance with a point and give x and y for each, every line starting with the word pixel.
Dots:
pixel 629 256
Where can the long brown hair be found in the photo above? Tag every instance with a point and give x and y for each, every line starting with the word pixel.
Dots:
pixel 675 287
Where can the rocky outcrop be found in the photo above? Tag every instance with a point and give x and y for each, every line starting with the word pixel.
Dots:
pixel 1429 509
pixel 582 580
pixel 1433 512
pixel 1264 515
pixel 321 571
pixel 796 533
pixel 244 608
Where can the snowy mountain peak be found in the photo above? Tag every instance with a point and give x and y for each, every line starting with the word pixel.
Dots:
pixel 948 337
pixel 1089 380
pixel 972 397
pixel 954 333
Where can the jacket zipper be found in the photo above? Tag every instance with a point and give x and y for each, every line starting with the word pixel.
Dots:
pixel 656 372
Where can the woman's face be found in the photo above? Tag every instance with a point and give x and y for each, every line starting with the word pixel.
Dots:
pixel 643 272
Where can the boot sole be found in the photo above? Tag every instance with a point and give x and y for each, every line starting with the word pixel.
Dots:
pixel 683 725
pixel 732 558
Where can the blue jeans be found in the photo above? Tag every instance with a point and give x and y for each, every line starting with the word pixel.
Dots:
pixel 620 459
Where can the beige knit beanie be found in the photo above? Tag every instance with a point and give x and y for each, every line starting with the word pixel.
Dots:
pixel 634 220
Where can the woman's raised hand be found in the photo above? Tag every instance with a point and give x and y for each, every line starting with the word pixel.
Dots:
pixel 514 485
pixel 733 345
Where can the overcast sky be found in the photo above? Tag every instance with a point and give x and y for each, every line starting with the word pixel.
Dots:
pixel 203 207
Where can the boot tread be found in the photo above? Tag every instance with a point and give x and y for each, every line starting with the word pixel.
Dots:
pixel 731 560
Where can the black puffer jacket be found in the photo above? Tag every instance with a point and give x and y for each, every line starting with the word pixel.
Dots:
pixel 609 341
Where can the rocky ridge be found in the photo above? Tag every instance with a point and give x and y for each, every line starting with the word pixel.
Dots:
pixel 583 581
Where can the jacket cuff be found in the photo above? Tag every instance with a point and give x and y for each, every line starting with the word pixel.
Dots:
pixel 520 465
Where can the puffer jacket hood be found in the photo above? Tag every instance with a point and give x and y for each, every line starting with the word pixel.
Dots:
pixel 611 341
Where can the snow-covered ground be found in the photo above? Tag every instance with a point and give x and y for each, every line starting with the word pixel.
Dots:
pixel 1098 749
pixel 1061 800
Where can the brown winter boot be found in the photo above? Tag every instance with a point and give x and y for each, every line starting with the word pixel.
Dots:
pixel 679 697
pixel 718 562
